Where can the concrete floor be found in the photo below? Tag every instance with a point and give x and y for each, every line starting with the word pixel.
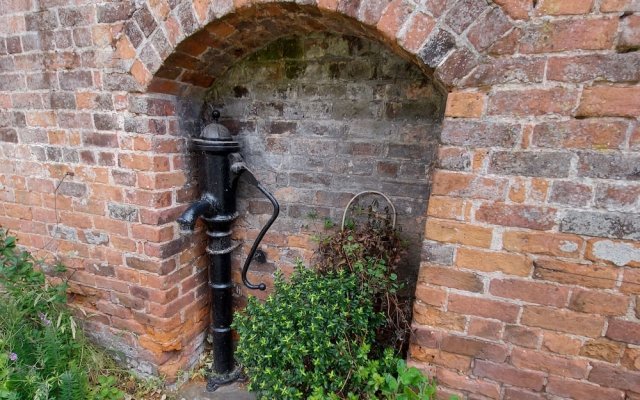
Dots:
pixel 197 391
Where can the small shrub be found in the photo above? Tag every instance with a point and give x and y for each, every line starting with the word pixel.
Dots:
pixel 313 333
pixel 373 251
pixel 334 332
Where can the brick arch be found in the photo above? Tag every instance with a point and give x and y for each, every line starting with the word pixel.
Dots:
pixel 180 48
pixel 191 43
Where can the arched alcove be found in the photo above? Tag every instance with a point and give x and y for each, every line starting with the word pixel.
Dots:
pixel 188 55
pixel 364 104
pixel 322 117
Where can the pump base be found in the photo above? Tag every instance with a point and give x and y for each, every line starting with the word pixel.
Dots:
pixel 217 380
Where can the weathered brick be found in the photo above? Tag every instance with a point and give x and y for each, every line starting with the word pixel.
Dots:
pixel 8 135
pixel 450 278
pixel 72 80
pixel 563 321
pixel 602 349
pixel 510 375
pixel 581 390
pixel 474 348
pixel 479 134
pixel 610 101
pixel 485 328
pixel 609 166
pixel 393 17
pixel 517 9
pixel 612 376
pixel 531 163
pixel 523 216
pixel 431 296
pixel 453 159
pixel 570 193
pixel 72 189
pixel 509 263
pixel 464 13
pixel 440 42
pixel 530 359
pixel 76 16
pixel 611 225
pixel 618 197
pixel 123 212
pixel 488 28
pixel 485 308
pixel 114 12
pixel 564 7
pixel 553 244
pixel 619 5
pixel 418 29
pixel 624 331
pixel 437 253
pixel 583 68
pixel 522 336
pixel 532 292
pixel 467 186
pixel 580 134
pixel 455 380
pixel 573 34
pixel 615 253
pixel 455 232
pixel 145 20
pixel 595 302
pixel 100 139
pixel 629 39
pixel 507 70
pixel 465 104
pixel 528 102
pixel 431 316
pixel 457 65
pixel 106 122
pixel 561 343
pixel 588 275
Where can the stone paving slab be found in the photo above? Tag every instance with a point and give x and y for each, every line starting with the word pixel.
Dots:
pixel 197 391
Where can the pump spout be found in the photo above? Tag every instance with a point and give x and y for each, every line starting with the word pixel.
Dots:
pixel 188 219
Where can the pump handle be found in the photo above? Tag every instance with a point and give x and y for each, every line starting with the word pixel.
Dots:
pixel 242 170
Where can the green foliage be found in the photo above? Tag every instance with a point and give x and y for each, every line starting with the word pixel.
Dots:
pixel 373 251
pixel 43 354
pixel 312 333
pixel 106 389
pixel 334 332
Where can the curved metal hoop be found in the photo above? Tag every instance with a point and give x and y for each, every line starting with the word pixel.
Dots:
pixel 344 215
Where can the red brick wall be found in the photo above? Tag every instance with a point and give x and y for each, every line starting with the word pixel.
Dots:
pixel 530 288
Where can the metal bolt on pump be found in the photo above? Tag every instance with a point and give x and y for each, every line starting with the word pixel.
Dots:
pixel 222 166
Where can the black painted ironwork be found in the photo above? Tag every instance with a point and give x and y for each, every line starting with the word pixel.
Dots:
pixel 221 168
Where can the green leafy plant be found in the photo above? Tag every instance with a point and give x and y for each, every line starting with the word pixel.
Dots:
pixel 313 332
pixel 43 353
pixel 107 390
pixel 372 250
pixel 336 331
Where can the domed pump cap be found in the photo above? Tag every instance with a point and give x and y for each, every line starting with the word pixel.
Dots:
pixel 215 131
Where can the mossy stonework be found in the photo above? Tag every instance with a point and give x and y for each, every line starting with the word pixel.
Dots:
pixel 516 120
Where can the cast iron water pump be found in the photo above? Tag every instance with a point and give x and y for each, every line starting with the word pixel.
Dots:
pixel 221 168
